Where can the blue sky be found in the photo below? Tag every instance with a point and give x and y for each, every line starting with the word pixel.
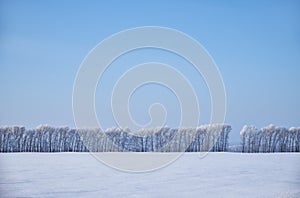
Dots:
pixel 256 45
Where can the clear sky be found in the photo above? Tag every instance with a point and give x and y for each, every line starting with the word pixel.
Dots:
pixel 256 45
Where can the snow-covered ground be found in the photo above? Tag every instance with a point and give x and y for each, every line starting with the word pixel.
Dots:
pixel 216 175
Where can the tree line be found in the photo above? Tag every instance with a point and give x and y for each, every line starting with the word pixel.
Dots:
pixel 214 137
pixel 45 138
pixel 270 139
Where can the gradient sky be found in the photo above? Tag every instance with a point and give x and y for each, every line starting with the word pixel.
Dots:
pixel 256 45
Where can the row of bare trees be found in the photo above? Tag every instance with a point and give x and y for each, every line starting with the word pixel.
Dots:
pixel 204 138
pixel 270 139
pixel 212 137
pixel 41 139
pixel 63 139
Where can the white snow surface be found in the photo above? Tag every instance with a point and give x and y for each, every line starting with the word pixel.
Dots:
pixel 216 175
